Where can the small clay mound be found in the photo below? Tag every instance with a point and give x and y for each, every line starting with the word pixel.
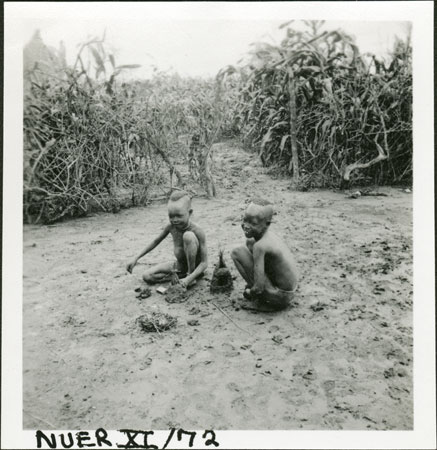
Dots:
pixel 221 280
pixel 176 293
pixel 174 279
pixel 156 322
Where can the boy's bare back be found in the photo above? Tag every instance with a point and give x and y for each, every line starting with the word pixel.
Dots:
pixel 279 263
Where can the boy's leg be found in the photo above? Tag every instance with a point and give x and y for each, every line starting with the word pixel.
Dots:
pixel 243 261
pixel 270 300
pixel 275 299
pixel 191 249
pixel 159 272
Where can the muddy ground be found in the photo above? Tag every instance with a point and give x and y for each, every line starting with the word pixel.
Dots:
pixel 340 358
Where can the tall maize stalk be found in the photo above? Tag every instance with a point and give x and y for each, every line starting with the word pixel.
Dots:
pixel 318 92
pixel 89 138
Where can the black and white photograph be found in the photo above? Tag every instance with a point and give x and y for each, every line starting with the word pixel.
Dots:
pixel 224 223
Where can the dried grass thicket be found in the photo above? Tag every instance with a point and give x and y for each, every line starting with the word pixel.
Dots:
pixel 94 142
pixel 323 112
pixel 312 106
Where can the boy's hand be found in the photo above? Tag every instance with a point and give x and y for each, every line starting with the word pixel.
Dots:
pixel 184 282
pixel 131 265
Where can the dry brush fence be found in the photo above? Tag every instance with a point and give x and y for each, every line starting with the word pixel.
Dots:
pixel 92 142
pixel 312 106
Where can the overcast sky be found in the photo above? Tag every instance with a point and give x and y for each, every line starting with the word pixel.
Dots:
pixel 192 40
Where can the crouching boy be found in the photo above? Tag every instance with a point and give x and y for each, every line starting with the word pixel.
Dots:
pixel 189 245
pixel 265 262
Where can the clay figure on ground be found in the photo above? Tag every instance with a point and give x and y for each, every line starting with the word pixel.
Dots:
pixel 265 262
pixel 189 245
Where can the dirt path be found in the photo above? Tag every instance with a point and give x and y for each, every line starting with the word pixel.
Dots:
pixel 340 359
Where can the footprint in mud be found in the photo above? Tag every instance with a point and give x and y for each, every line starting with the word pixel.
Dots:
pixel 346 408
pixel 328 385
pixel 193 322
pixel 389 373
pixel 309 375
pixel 295 396
pixel 333 423
pixel 399 355
pixel 73 321
pixel 277 339
pixel 159 423
pixel 84 412
pixel 228 347
pixel 230 350
pixel 233 387
pixel 66 408
pixel 395 393
pixel 335 389
pixel 395 371
pixel 240 407
pixel 146 363
pixel 68 411
pixel 305 371
pixel 194 310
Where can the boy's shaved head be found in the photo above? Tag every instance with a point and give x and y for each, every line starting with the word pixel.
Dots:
pixel 178 195
pixel 261 208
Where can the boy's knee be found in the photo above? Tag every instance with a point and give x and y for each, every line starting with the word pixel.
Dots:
pixel 190 238
pixel 148 277
pixel 236 253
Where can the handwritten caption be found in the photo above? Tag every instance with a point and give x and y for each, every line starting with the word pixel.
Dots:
pixel 129 439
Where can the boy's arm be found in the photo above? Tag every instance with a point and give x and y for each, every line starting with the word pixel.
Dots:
pixel 259 274
pixel 150 247
pixel 203 260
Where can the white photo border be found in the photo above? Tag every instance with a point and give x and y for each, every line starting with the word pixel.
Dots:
pixel 420 14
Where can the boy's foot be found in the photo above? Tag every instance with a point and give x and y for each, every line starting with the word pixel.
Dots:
pixel 164 279
pixel 254 305
pixel 246 294
pixel 167 278
pixel 193 283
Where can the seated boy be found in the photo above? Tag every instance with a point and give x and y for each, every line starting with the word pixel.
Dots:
pixel 265 262
pixel 189 245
